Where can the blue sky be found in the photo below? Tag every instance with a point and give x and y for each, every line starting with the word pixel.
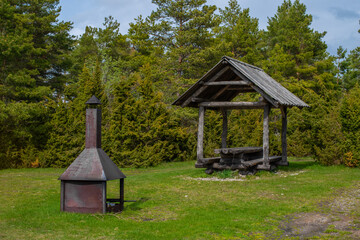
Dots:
pixel 339 18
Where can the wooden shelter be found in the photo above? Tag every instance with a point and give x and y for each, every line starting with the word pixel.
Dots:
pixel 216 90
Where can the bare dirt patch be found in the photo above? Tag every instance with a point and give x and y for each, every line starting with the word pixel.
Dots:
pixel 241 178
pixel 337 218
pixel 215 179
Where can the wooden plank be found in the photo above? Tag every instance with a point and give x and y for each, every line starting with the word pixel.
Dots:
pixel 241 89
pixel 225 83
pixel 221 167
pixel 200 100
pixel 224 128
pixel 254 162
pixel 212 160
pixel 274 160
pixel 201 89
pixel 238 150
pixel 200 165
pixel 234 105
pixel 200 140
pixel 283 136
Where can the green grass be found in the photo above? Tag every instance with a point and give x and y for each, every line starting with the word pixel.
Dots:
pixel 171 205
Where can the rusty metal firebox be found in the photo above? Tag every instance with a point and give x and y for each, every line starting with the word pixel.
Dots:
pixel 83 184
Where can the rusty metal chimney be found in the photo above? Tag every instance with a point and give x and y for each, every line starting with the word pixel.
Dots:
pixel 93 124
pixel 83 184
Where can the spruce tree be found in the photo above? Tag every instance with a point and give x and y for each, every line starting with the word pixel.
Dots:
pixel 350 69
pixel 141 130
pixel 34 48
pixel 296 56
pixel 67 125
pixel 350 120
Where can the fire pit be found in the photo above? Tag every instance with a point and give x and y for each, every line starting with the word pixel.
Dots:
pixel 83 184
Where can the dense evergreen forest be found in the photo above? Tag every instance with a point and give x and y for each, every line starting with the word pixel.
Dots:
pixel 47 75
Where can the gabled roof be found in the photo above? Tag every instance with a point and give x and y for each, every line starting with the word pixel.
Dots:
pixel 229 77
pixel 93 164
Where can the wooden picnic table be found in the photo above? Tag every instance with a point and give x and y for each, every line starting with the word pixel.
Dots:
pixel 230 156
pixel 239 158
pixel 238 150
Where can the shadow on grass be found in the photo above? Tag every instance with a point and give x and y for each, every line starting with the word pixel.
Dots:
pixel 297 165
pixel 135 206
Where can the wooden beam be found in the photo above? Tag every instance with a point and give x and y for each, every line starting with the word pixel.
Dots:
pixel 200 100
pixel 266 96
pixel 225 83
pixel 219 92
pixel 200 137
pixel 242 89
pixel 224 128
pixel 201 89
pixel 266 164
pixel 234 105
pixel 284 160
pixel 207 163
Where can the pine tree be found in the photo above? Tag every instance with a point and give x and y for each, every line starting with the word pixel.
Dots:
pixel 104 46
pixel 240 31
pixel 182 29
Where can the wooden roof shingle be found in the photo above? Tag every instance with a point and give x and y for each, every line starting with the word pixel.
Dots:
pixel 229 77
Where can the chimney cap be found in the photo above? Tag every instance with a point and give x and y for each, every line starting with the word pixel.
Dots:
pixel 93 101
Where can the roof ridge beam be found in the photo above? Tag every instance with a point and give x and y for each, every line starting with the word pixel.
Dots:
pixel 234 105
pixel 224 83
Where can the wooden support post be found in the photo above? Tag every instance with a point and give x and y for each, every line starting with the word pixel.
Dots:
pixel 224 128
pixel 284 161
pixel 266 164
pixel 200 140
pixel 121 194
